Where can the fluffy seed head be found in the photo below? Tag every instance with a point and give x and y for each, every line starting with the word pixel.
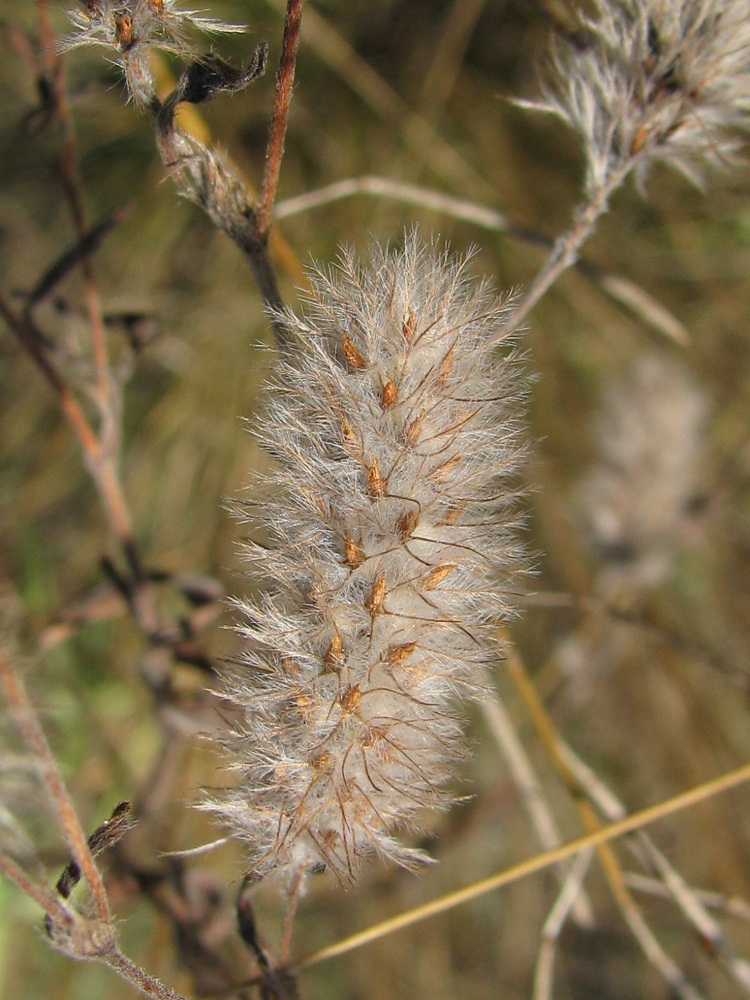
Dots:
pixel 655 80
pixel 636 501
pixel 395 426
pixel 131 28
pixel 126 24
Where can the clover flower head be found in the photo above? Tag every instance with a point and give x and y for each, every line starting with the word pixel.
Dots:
pixel 655 80
pixel 130 24
pixel 132 28
pixel 395 423
pixel 637 499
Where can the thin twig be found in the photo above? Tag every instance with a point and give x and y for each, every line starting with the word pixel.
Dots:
pixel 28 724
pixel 582 781
pixel 629 909
pixel 416 132
pixel 566 248
pixel 282 100
pixel 689 901
pixel 410 194
pixel 73 186
pixel 32 341
pixel 622 290
pixel 530 866
pixel 531 790
pixel 101 462
pixel 639 928
pixel 139 978
pixel 50 903
pixel 729 906
pixel 553 925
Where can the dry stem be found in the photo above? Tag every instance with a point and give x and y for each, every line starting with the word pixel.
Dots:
pixel 73 186
pixel 623 291
pixel 275 148
pixel 566 248
pixel 28 724
pixel 539 862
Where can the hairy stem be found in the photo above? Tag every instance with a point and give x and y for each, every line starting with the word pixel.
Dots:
pixel 46 900
pixel 565 250
pixel 139 978
pixel 27 722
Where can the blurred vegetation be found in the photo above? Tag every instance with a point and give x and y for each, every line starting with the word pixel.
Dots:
pixel 656 700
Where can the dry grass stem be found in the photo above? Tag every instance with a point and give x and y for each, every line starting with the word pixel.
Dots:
pixel 532 793
pixel 690 901
pixel 569 895
pixel 635 821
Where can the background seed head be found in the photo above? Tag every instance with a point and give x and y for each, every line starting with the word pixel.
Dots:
pixel 655 81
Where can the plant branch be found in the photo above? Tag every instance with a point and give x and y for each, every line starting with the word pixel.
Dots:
pixel 566 248
pixel 623 291
pixel 50 903
pixel 553 925
pixel 139 978
pixel 73 186
pixel 531 790
pixel 584 792
pixel 275 148
pixel 28 724
pixel 33 342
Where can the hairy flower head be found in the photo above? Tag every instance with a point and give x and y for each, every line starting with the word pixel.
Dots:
pixel 395 426
pixel 127 24
pixel 131 28
pixel 637 500
pixel 655 80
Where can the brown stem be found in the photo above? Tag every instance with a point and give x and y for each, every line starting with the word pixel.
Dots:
pixel 275 148
pixel 101 455
pixel 32 341
pixel 28 724
pixel 46 900
pixel 72 183
pixel 102 466
pixel 139 978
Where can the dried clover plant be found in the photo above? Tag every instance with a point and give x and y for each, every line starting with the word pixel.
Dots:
pixel 395 426
pixel 646 82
